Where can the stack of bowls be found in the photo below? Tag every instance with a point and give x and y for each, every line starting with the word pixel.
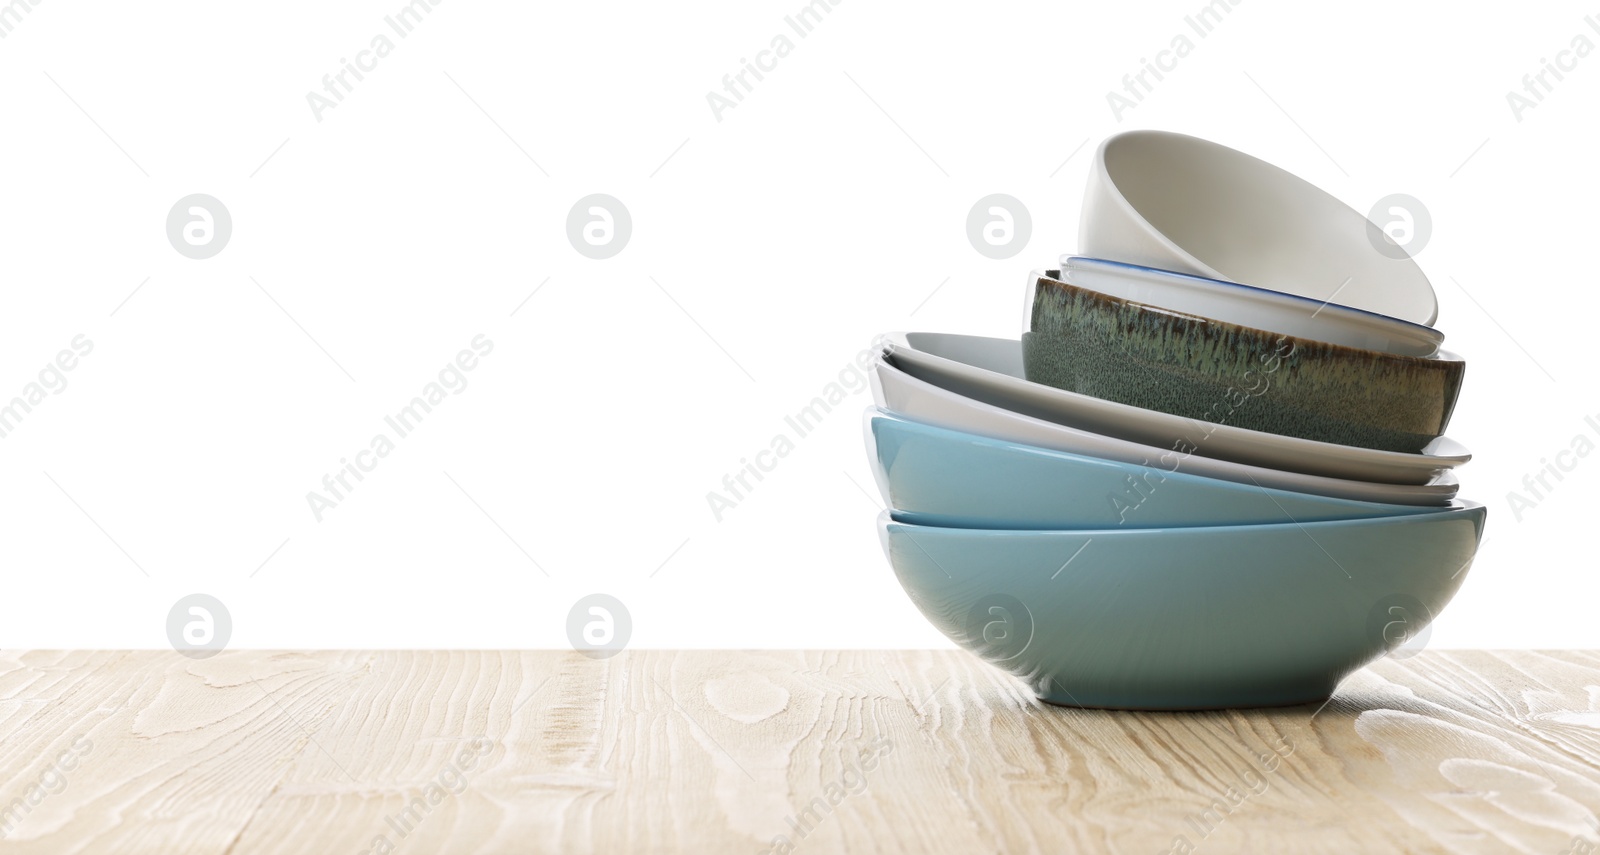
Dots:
pixel 1212 472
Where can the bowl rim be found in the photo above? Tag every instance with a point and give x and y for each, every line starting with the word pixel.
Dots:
pixel 1422 330
pixel 1442 358
pixel 1458 507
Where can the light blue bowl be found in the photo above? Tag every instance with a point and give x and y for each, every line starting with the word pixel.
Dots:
pixel 936 476
pixel 1186 618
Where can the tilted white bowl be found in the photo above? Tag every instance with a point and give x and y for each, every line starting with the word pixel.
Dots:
pixel 1176 202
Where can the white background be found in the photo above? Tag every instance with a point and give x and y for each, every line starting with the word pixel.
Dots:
pixel 827 207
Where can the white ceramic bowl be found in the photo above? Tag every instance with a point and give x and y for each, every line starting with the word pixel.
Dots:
pixel 916 395
pixel 1249 306
pixel 1175 202
pixel 963 363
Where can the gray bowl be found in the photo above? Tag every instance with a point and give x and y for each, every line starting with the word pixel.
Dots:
pixel 1145 356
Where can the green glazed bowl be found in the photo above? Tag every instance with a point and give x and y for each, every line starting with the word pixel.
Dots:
pixel 1205 369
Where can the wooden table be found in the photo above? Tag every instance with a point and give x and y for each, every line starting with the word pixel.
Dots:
pixel 712 751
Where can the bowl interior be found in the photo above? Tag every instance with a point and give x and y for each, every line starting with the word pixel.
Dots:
pixel 1253 222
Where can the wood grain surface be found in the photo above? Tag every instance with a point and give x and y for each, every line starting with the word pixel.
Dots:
pixel 714 751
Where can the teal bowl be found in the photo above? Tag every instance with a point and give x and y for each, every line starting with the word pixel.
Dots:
pixel 1186 618
pixel 930 475
pixel 1200 368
